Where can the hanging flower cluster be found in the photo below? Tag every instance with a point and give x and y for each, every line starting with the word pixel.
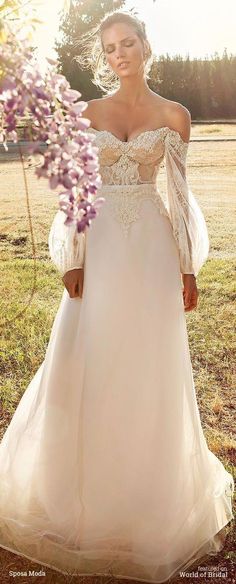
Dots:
pixel 55 117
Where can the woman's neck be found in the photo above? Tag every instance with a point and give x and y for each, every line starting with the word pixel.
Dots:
pixel 132 92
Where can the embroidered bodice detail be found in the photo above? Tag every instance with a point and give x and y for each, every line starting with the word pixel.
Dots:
pixel 125 204
pixel 133 162
pixel 129 173
pixel 131 169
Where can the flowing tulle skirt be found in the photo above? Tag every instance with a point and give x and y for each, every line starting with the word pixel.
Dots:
pixel 104 468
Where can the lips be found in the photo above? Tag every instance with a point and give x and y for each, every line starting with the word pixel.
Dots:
pixel 123 63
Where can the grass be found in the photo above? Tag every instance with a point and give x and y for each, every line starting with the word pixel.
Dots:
pixel 212 177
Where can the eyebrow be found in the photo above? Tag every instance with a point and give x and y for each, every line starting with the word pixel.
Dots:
pixel 111 44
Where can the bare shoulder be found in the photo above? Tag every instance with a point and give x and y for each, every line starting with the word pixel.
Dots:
pixel 179 119
pixel 175 116
pixel 93 109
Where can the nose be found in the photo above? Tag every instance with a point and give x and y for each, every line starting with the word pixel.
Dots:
pixel 119 60
pixel 120 54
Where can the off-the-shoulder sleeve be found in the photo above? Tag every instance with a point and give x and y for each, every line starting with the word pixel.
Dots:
pixel 189 226
pixel 66 245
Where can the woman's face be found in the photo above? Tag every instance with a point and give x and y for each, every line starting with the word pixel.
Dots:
pixel 122 45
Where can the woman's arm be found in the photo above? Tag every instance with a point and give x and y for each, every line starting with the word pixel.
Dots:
pixel 189 226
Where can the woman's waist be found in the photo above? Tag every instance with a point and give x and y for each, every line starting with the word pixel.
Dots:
pixel 125 200
pixel 129 189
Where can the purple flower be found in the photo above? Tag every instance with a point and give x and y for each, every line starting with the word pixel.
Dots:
pixel 55 115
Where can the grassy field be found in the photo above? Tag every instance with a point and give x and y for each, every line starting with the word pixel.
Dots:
pixel 212 178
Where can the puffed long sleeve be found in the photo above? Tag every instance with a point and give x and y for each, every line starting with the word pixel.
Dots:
pixel 189 226
pixel 66 245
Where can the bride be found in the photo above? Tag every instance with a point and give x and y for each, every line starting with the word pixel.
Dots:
pixel 104 467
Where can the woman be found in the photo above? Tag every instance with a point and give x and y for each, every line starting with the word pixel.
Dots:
pixel 104 467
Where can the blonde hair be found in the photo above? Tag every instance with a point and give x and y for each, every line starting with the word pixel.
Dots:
pixel 92 54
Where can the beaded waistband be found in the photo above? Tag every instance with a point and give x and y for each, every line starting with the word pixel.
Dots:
pixel 130 188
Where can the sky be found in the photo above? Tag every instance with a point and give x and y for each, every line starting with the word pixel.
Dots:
pixel 197 28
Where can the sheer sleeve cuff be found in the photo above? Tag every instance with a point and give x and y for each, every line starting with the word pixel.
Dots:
pixel 66 245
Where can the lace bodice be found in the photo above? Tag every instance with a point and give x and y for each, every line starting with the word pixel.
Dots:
pixel 129 172
pixel 133 162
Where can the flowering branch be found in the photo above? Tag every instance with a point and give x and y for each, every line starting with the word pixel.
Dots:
pixel 55 114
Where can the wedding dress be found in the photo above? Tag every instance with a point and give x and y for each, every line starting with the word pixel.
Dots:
pixel 104 466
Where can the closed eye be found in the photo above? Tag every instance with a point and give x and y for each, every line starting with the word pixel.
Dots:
pixel 126 45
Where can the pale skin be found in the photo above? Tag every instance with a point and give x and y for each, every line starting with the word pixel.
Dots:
pixel 132 109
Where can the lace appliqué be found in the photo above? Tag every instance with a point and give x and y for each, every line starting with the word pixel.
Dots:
pixel 174 141
pixel 125 202
pixel 122 172
pixel 177 150
pixel 122 163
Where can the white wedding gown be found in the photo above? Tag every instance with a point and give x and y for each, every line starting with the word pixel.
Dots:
pixel 104 467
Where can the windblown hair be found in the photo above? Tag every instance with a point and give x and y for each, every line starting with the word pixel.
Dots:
pixel 92 55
